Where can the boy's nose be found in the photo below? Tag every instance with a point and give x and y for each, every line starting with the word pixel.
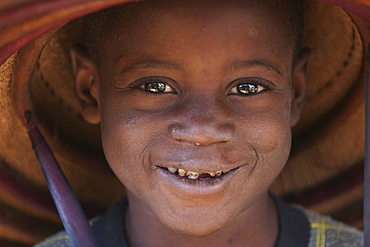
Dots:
pixel 202 123
pixel 202 134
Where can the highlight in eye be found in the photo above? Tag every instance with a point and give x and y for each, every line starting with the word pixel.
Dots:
pixel 248 87
pixel 155 85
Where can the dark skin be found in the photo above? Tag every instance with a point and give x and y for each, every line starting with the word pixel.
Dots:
pixel 204 86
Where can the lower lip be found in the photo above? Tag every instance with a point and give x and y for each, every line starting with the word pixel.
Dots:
pixel 197 187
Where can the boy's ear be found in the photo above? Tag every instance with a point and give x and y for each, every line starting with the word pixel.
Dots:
pixel 86 84
pixel 299 84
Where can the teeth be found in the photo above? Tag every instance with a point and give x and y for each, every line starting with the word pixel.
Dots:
pixel 212 174
pixel 192 175
pixel 172 170
pixel 195 175
pixel 182 172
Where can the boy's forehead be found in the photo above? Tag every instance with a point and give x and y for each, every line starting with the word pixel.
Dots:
pixel 124 24
pixel 155 11
pixel 190 14
pixel 158 13
pixel 191 9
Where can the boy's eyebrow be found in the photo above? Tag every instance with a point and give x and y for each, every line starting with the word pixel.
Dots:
pixel 252 63
pixel 153 63
pixel 150 63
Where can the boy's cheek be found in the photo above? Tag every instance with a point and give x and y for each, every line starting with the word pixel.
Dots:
pixel 136 131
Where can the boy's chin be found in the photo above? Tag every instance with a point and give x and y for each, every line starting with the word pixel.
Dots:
pixel 203 221
pixel 197 226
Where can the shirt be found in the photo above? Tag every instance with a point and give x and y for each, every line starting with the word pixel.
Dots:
pixel 298 227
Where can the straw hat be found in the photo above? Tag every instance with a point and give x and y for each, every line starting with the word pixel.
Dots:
pixel 325 171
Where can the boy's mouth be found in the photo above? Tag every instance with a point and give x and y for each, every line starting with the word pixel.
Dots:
pixel 196 179
pixel 196 175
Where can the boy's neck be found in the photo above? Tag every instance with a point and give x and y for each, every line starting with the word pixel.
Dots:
pixel 256 226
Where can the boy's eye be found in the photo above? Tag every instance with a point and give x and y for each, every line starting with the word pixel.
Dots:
pixel 157 87
pixel 247 89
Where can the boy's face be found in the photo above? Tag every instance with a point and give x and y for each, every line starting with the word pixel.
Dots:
pixel 204 87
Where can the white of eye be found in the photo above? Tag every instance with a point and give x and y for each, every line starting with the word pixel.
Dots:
pixel 157 87
pixel 247 89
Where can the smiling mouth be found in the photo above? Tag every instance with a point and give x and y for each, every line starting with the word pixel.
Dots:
pixel 196 175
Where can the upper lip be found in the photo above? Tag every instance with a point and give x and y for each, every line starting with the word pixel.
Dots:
pixel 201 160
pixel 200 168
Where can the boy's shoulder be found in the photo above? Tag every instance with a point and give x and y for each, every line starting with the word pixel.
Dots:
pixel 326 232
pixel 108 229
pixel 301 227
pixel 58 240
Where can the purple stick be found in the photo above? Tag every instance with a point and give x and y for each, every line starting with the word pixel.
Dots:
pixel 74 220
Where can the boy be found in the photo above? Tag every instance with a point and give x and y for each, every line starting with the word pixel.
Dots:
pixel 196 100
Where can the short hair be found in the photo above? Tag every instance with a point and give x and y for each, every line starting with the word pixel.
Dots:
pixel 99 24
